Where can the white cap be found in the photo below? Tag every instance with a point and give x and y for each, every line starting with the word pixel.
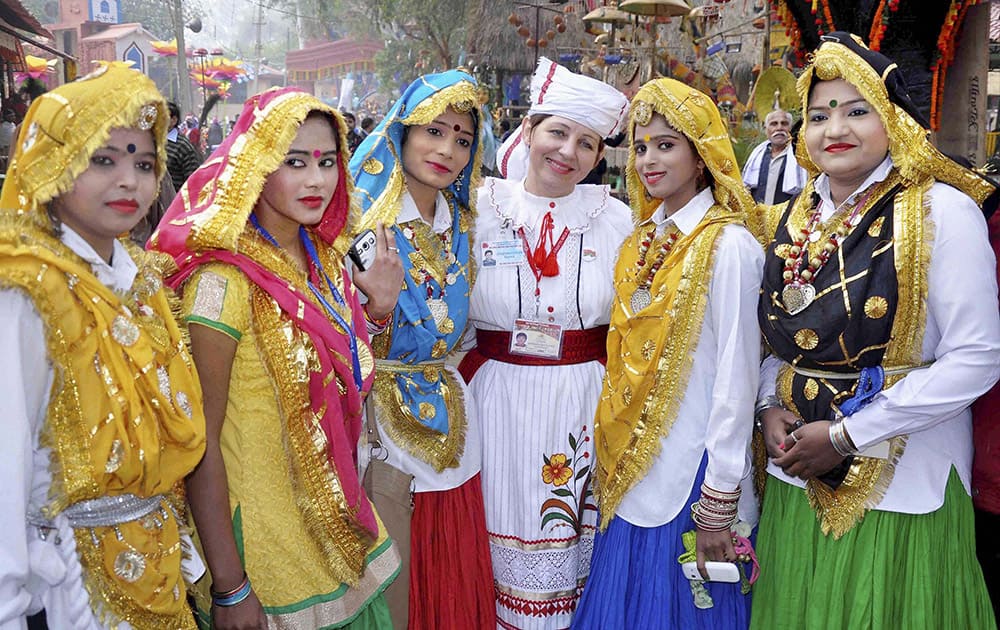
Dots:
pixel 557 91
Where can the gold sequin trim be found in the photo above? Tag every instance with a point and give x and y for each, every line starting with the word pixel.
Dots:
pixel 439 450
pixel 648 347
pixel 869 478
pixel 372 166
pixel 811 389
pixel 876 307
pixel 875 229
pixel 806 338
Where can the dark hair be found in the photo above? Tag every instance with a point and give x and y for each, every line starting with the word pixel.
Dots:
pixel 175 112
pixel 320 114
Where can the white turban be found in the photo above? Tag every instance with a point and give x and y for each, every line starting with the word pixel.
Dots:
pixel 557 91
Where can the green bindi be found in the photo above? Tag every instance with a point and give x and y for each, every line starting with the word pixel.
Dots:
pixel 833 103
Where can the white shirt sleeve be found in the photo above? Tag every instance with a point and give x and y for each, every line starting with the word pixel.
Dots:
pixel 732 310
pixel 962 332
pixel 23 377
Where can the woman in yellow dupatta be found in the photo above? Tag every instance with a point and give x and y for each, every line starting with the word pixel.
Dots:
pixel 101 408
pixel 675 417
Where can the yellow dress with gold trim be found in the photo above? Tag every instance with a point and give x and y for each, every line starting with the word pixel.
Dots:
pixel 271 532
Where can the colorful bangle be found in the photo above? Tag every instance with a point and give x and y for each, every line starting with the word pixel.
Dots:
pixel 233 597
pixel 380 323
pixel 715 511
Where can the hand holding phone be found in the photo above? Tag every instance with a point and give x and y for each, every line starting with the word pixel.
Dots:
pixel 363 250
pixel 717 571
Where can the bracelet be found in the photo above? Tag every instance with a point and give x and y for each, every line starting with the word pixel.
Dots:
pixel 380 323
pixel 841 440
pixel 715 511
pixel 233 597
pixel 765 403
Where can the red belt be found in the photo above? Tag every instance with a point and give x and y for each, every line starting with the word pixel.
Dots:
pixel 578 346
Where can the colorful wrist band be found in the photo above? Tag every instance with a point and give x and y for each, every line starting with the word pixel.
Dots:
pixel 381 323
pixel 233 597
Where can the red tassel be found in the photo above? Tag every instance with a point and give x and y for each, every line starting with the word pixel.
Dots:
pixel 540 256
pixel 551 266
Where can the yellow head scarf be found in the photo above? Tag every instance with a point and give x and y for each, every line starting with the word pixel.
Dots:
pixel 134 425
pixel 844 56
pixel 64 127
pixel 695 115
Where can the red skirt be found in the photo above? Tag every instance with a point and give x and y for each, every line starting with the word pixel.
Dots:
pixel 451 576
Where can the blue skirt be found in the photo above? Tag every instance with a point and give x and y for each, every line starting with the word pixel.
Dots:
pixel 636 582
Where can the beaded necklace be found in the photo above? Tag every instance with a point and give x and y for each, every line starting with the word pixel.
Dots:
pixel 799 291
pixel 641 297
pixel 433 259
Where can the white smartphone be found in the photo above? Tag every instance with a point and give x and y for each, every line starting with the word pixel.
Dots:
pixel 363 250
pixel 717 571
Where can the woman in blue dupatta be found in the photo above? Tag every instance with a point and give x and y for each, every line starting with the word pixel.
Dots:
pixel 414 172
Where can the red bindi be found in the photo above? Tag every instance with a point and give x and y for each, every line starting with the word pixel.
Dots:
pixel 317 153
pixel 457 128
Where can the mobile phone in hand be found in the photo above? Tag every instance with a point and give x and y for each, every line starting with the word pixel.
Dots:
pixel 717 571
pixel 363 250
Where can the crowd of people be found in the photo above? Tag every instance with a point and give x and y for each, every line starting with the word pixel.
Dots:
pixel 741 400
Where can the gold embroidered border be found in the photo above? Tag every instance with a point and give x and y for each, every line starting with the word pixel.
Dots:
pixel 912 153
pixel 869 478
pixel 440 450
pixel 288 356
pixel 385 208
pixel 86 409
pixel 252 159
pixel 659 412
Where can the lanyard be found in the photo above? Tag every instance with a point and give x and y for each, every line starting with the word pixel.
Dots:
pixel 543 263
pixel 314 258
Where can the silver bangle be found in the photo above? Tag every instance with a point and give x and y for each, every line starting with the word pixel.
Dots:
pixel 765 403
pixel 841 440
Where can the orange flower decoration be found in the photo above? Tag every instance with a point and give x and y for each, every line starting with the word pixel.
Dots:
pixel 555 471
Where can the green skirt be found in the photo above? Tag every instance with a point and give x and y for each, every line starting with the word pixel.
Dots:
pixel 891 571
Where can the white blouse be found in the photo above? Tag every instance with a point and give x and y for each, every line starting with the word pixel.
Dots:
pixel 961 339
pixel 716 411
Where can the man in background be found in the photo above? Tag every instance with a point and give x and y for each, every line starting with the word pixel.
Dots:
pixel 182 158
pixel 771 171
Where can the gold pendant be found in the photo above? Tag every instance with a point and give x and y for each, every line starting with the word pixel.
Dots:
pixel 641 298
pixel 797 297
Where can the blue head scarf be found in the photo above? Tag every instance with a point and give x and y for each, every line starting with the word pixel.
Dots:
pixel 419 401
pixel 377 164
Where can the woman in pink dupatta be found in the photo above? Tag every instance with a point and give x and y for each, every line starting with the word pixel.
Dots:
pixel 258 234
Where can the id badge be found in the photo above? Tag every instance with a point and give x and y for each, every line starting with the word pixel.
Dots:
pixel 536 339
pixel 501 253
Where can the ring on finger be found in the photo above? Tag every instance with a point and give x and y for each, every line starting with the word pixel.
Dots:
pixel 795 438
pixel 393 249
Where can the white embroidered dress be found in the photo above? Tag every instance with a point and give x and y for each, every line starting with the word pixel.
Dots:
pixel 537 421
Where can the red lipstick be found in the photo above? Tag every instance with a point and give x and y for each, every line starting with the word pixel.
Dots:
pixel 124 206
pixel 838 147
pixel 439 168
pixel 311 201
